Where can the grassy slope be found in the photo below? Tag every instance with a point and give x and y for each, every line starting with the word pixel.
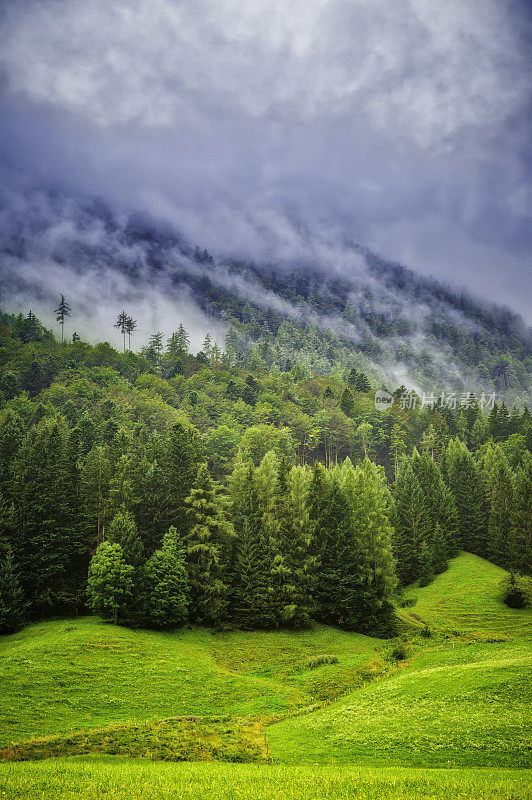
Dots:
pixel 458 702
pixel 467 597
pixel 125 779
pixel 469 706
pixel 86 674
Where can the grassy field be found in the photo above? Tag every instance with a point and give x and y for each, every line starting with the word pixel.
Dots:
pixel 368 725
pixel 85 674
pixel 463 707
pixel 467 597
pixel 128 779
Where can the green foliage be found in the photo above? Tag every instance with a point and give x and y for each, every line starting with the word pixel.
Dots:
pixel 13 608
pixel 164 595
pixel 517 591
pixel 207 551
pixel 110 583
pixel 123 531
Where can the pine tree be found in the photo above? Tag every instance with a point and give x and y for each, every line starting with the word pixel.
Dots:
pixel 46 487
pixel 11 436
pixel 439 503
pixel 336 570
pixel 207 546
pixel 362 383
pixel 426 564
pixel 121 324
pixel 411 523
pixel 251 601
pixel 520 542
pixel 123 531
pixel 13 608
pixel 34 378
pixel 440 550
pixel 95 478
pixel 295 566
pixel 165 588
pixel 110 583
pixel 370 504
pixel 179 468
pixel 465 481
pixel 130 326
pixel 397 446
pixel 61 313
pixel 347 402
pixel 499 494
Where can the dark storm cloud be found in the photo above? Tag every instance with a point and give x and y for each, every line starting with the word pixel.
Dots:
pixel 257 127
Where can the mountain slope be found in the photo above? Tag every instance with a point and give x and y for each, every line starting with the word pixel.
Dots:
pixel 328 304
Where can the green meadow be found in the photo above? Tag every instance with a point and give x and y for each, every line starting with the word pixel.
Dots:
pixel 91 710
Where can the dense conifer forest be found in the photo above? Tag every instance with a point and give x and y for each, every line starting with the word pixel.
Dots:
pixel 158 488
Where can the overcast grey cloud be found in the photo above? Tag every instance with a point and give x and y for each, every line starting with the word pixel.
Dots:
pixel 401 124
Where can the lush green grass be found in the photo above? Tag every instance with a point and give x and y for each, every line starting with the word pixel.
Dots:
pixel 467 597
pixel 464 706
pixel 125 779
pixel 366 726
pixel 68 675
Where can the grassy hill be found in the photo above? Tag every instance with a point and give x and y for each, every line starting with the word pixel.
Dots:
pixel 366 723
pixel 467 597
pixel 469 706
pixel 87 674
pixel 463 700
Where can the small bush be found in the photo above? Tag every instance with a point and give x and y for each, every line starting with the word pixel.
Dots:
pixel 408 602
pixel 426 632
pixel 517 591
pixel 398 652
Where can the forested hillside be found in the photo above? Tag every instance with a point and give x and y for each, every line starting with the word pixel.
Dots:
pixel 330 306
pixel 160 487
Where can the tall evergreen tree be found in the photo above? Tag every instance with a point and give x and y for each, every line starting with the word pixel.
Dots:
pixel 411 523
pixel 164 600
pixel 465 481
pixel 13 607
pixel 207 546
pixel 61 313
pixel 179 466
pixel 121 324
pixel 123 531
pixel 110 583
pixel 251 600
pixel 47 513
pixel 520 542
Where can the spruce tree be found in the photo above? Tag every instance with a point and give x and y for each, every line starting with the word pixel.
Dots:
pixel 347 402
pixel 61 313
pixel 370 504
pixel 411 523
pixel 426 564
pixel 13 607
pixel 520 542
pixel 251 596
pixel 95 478
pixel 179 466
pixel 165 589
pixel 110 583
pixel 207 546
pixel 465 481
pixel 48 522
pixel 123 531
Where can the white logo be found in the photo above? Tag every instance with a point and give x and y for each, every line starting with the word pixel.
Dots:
pixel 383 400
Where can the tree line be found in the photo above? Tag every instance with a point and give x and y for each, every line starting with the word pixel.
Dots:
pixel 228 516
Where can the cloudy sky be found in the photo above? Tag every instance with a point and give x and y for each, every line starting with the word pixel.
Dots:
pixel 404 125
